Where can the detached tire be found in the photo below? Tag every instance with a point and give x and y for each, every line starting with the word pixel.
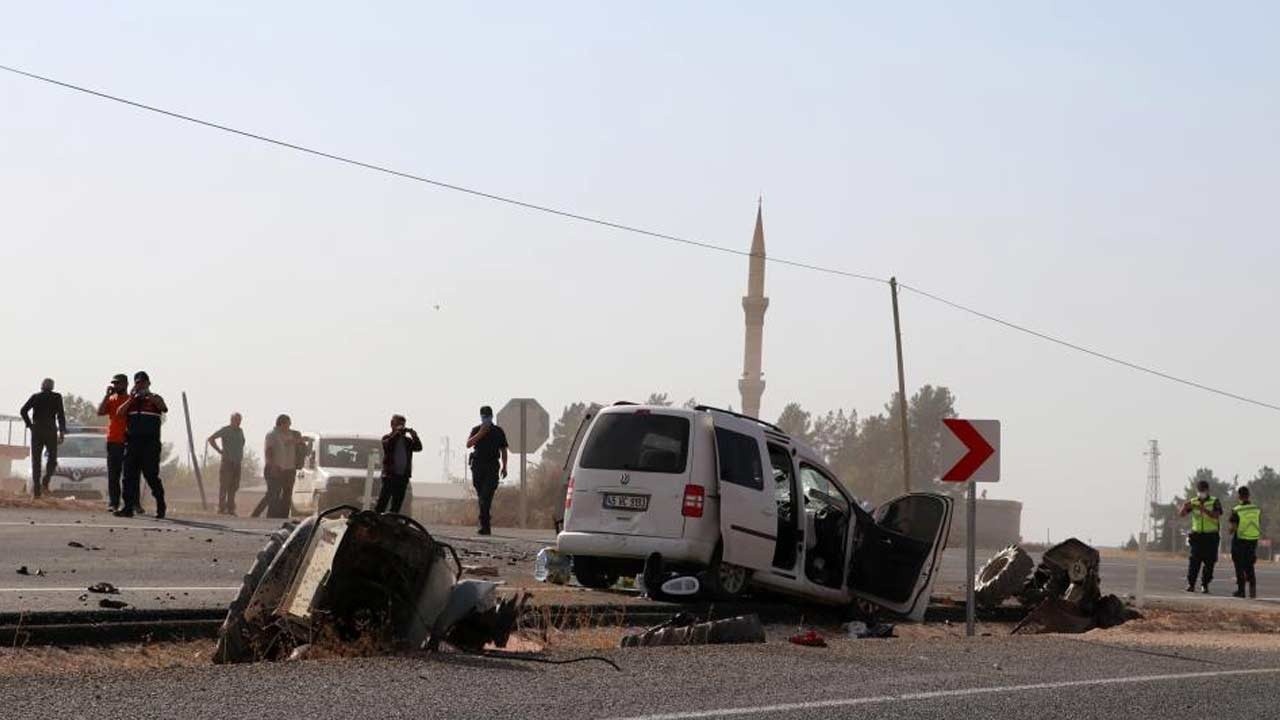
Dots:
pixel 236 638
pixel 724 581
pixel 590 572
pixel 1002 577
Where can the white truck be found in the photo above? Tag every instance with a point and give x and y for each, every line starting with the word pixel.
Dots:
pixel 337 471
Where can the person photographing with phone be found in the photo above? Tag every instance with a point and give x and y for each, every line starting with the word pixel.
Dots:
pixel 44 417
pixel 489 444
pixel 143 412
pixel 117 394
pixel 398 447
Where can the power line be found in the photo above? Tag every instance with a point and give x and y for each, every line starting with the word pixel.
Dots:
pixel 635 230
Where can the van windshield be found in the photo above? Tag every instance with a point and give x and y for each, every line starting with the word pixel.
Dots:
pixel 640 442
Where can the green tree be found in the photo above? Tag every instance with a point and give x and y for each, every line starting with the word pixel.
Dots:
pixel 795 421
pixel 658 399
pixel 1219 489
pixel 81 411
pixel 691 403
pixel 1264 491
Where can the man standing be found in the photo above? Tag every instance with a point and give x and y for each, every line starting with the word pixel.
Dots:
pixel 489 443
pixel 280 468
pixel 143 413
pixel 1246 528
pixel 232 452
pixel 1203 539
pixel 398 447
pixel 117 394
pixel 44 417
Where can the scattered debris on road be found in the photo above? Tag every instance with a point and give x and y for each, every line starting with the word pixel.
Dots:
pixel 552 566
pixel 808 638
pixel 1063 593
pixel 82 546
pixel 357 578
pixel 112 604
pixel 684 629
pixel 480 570
pixel 105 588
pixel 859 630
pixel 24 570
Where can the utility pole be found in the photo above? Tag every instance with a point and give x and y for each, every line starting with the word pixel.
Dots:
pixel 446 456
pixel 1151 499
pixel 902 389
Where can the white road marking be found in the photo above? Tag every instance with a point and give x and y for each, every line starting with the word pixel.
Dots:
pixel 122 589
pixel 1210 598
pixel 942 694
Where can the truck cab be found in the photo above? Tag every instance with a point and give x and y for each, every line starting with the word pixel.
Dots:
pixel 341 469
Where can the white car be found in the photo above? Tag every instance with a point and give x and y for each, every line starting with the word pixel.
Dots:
pixel 336 470
pixel 82 465
pixel 738 502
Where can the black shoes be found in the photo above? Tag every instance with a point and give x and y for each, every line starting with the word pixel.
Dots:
pixel 484 531
pixel 1239 593
pixel 1191 588
pixel 161 507
pixel 125 513
pixel 1205 590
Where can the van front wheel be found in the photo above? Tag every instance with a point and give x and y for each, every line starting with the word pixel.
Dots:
pixel 591 573
pixel 726 581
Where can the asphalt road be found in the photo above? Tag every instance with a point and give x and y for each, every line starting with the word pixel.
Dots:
pixel 1008 677
pixel 186 563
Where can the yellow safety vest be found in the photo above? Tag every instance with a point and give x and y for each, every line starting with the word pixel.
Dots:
pixel 1201 520
pixel 1249 521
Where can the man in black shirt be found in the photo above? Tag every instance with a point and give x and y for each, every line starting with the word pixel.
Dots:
pixel 489 444
pixel 398 447
pixel 232 452
pixel 44 417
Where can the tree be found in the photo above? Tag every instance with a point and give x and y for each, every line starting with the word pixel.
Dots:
pixel 1217 488
pixel 691 403
pixel 1132 543
pixel 794 421
pixel 834 435
pixel 81 411
pixel 658 399
pixel 925 413
pixel 1264 491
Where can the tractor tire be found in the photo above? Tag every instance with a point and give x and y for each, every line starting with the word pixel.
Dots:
pixel 236 636
pixel 1002 577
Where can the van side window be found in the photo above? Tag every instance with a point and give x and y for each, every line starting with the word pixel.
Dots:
pixel 739 459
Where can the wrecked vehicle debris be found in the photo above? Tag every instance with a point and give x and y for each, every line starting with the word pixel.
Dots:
pixel 24 570
pixel 346 575
pixel 684 629
pixel 104 588
pixel 1063 593
pixel 552 566
pixel 112 604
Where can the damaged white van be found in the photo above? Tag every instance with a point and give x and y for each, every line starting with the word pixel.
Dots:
pixel 738 502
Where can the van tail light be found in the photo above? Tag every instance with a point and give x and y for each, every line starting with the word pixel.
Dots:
pixel 695 499
pixel 568 495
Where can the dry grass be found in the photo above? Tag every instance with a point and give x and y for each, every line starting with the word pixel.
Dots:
pixel 36 661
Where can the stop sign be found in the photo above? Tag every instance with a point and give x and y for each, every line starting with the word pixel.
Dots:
pixel 536 426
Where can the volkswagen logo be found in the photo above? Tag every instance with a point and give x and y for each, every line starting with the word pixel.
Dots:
pixel 626 479
pixel 76 474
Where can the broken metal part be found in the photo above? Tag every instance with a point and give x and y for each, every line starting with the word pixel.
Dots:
pixel 105 588
pixel 1002 577
pixel 683 630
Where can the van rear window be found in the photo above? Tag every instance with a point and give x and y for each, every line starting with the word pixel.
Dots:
pixel 637 442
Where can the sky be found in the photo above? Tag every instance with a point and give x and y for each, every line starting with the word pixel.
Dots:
pixel 1103 172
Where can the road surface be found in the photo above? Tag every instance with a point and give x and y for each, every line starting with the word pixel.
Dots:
pixel 191 563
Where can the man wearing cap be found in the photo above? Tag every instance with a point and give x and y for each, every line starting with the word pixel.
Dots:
pixel 117 394
pixel 44 417
pixel 143 413
pixel 488 443
pixel 232 452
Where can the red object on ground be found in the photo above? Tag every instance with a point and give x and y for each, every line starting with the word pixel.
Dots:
pixel 809 638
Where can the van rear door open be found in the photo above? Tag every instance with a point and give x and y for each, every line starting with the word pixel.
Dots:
pixel 748 512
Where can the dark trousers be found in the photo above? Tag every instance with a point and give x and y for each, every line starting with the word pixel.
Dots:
pixel 228 484
pixel 1204 551
pixel 278 502
pixel 115 468
pixel 391 497
pixel 43 441
pixel 485 480
pixel 142 459
pixel 1244 553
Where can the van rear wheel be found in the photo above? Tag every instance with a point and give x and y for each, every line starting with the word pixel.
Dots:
pixel 726 581
pixel 592 573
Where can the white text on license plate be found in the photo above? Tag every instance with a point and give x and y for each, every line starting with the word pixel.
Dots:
pixel 616 501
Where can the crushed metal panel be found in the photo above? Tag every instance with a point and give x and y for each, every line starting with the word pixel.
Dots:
pixel 682 630
pixel 314 569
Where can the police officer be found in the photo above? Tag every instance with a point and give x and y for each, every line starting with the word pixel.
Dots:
pixel 1246 528
pixel 143 412
pixel 1203 539
pixel 489 444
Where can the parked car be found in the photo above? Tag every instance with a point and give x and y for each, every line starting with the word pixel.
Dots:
pixel 739 502
pixel 82 464
pixel 336 470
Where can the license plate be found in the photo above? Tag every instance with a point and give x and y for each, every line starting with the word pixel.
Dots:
pixel 617 501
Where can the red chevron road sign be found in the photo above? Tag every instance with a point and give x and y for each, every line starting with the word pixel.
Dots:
pixel 970 450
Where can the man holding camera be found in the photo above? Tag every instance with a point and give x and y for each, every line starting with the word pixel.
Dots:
pixel 489 443
pixel 117 394
pixel 143 412
pixel 398 447
pixel 44 417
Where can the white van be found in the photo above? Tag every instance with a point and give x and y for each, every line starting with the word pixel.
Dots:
pixel 739 502
pixel 337 468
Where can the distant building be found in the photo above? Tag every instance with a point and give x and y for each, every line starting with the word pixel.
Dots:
pixel 751 386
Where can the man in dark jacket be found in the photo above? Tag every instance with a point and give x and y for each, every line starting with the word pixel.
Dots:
pixel 398 447
pixel 44 417
pixel 488 444
pixel 144 413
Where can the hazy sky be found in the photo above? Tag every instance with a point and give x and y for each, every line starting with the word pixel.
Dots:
pixel 1106 172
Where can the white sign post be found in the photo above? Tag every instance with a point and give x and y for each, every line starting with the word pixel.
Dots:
pixel 970 454
pixel 527 426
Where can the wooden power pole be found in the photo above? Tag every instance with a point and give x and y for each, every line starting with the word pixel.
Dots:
pixel 902 389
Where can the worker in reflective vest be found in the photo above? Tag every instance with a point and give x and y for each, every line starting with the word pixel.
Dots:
pixel 1203 538
pixel 1246 528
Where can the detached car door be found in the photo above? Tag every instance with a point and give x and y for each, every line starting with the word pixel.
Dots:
pixel 748 512
pixel 896 552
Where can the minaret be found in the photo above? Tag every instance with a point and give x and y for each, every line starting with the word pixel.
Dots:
pixel 753 305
